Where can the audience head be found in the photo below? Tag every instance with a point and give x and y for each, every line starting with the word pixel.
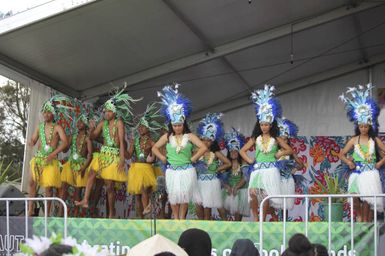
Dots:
pixel 320 250
pixel 195 242
pixel 299 245
pixel 165 254
pixel 57 250
pixel 244 247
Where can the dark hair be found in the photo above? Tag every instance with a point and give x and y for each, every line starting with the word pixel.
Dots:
pixel 57 250
pixel 372 134
pixel 243 247
pixel 320 250
pixel 195 242
pixel 274 131
pixel 186 129
pixel 291 157
pixel 165 254
pixel 299 245
pixel 239 157
pixel 214 147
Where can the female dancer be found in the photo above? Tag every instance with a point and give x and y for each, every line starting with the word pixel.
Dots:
pixel 235 194
pixel 287 129
pixel 210 130
pixel 265 177
pixel 364 177
pixel 181 178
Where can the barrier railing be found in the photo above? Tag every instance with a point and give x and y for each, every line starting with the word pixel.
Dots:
pixel 26 200
pixel 329 198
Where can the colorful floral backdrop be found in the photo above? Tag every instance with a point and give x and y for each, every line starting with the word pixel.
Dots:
pixel 320 155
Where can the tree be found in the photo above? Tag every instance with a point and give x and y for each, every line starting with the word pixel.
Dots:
pixel 14 99
pixel 14 103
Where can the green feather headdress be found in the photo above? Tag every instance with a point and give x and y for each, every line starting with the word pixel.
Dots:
pixel 83 111
pixel 150 116
pixel 60 106
pixel 120 104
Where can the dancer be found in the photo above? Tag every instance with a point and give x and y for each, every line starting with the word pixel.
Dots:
pixel 181 178
pixel 74 170
pixel 235 193
pixel 210 131
pixel 141 176
pixel 44 167
pixel 364 178
pixel 287 129
pixel 265 178
pixel 109 163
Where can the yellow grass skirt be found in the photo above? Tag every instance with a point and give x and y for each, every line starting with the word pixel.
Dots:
pixel 158 171
pixel 67 176
pixel 140 175
pixel 110 172
pixel 73 178
pixel 48 176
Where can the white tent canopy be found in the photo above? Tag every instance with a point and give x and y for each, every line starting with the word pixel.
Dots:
pixel 154 245
pixel 218 50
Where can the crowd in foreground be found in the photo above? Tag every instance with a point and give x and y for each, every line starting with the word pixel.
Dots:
pixel 192 242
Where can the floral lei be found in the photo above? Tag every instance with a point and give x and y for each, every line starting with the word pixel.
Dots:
pixel 236 172
pixel 109 153
pixel 264 146
pixel 76 160
pixel 45 149
pixel 365 156
pixel 140 147
pixel 110 140
pixel 177 143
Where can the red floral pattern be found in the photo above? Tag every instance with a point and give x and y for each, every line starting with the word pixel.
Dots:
pixel 298 145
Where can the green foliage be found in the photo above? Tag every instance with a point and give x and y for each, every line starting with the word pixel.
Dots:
pixel 14 103
pixel 26 249
pixel 332 186
pixel 14 99
pixel 7 175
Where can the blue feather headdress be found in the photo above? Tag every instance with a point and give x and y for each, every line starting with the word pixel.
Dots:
pixel 176 108
pixel 234 140
pixel 211 127
pixel 287 128
pixel 267 107
pixel 360 107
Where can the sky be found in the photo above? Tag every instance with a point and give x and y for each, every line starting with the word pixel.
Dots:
pixel 3 80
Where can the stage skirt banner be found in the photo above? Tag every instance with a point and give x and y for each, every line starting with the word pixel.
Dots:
pixel 118 235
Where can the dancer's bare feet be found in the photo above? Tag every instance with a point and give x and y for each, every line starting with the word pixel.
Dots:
pixel 147 210
pixel 83 203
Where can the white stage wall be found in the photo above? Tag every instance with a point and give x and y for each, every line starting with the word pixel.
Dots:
pixel 316 109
